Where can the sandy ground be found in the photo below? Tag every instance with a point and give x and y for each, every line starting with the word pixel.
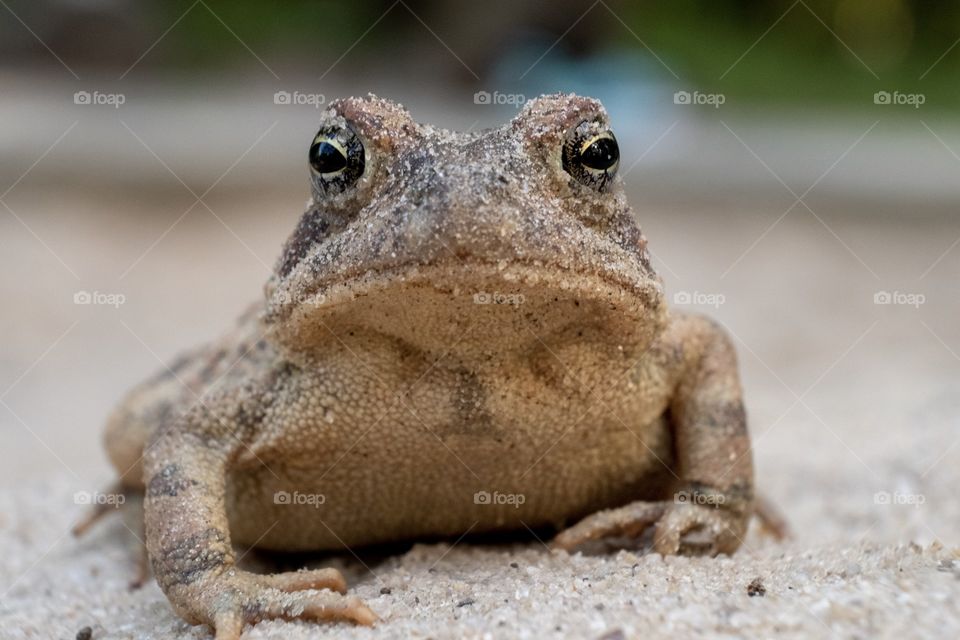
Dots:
pixel 854 409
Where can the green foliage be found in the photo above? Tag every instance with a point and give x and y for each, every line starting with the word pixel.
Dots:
pixel 766 50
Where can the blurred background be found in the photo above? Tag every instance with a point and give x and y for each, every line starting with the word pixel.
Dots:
pixel 794 165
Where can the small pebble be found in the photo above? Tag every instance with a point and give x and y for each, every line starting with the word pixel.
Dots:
pixel 756 588
pixel 85 634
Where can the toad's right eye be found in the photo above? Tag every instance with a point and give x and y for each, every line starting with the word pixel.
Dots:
pixel 591 155
pixel 336 159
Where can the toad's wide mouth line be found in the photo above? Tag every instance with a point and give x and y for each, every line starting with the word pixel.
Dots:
pixel 468 278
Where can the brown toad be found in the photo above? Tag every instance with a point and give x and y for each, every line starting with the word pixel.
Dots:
pixel 463 334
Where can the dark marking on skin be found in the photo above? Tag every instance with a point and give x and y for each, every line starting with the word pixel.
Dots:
pixel 469 402
pixel 415 160
pixel 673 354
pixel 176 368
pixel 187 560
pixel 277 379
pixel 312 229
pixel 737 497
pixel 251 611
pixel 469 398
pixel 729 416
pixel 250 413
pixel 211 366
pixel 160 414
pixel 169 482
pixel 631 238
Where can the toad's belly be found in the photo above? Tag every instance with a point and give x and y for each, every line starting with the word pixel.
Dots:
pixel 415 480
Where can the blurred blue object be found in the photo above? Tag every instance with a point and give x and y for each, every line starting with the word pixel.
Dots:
pixel 629 83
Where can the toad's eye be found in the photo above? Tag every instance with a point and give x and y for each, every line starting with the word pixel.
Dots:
pixel 336 159
pixel 590 155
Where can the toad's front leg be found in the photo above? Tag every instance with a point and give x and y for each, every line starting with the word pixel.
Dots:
pixel 710 506
pixel 189 540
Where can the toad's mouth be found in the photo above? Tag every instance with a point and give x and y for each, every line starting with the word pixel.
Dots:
pixel 473 308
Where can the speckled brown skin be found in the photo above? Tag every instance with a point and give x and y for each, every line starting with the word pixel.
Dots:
pixel 466 318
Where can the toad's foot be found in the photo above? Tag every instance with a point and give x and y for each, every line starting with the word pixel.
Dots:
pixel 229 600
pixel 688 529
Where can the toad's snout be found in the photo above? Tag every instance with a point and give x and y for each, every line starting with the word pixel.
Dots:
pixel 460 210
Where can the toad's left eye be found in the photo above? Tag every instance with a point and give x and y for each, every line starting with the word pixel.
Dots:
pixel 590 156
pixel 336 159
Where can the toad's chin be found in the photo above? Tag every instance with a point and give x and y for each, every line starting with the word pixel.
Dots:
pixel 473 310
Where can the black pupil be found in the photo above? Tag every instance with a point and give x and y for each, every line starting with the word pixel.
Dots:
pixel 601 155
pixel 326 158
